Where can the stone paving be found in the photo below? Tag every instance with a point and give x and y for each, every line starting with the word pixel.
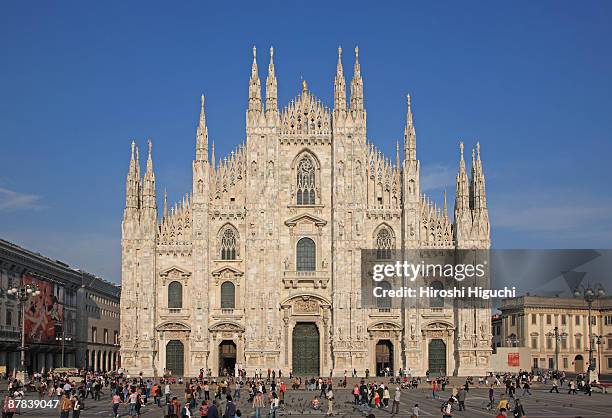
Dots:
pixel 540 404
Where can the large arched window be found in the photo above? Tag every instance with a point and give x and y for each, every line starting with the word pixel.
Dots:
pixel 306 255
pixel 384 302
pixel 228 243
pixel 384 243
pixel 437 301
pixel 175 295
pixel 228 295
pixel 306 181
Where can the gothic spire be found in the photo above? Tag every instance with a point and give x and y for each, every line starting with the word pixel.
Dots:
pixel 132 183
pixel 212 155
pixel 271 86
pixel 254 86
pixel 357 85
pixel 462 202
pixel 409 135
pixel 165 204
pixel 202 136
pixel 397 155
pixel 478 183
pixel 148 188
pixel 339 85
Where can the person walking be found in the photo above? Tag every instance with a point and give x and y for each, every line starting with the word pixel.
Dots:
pixel 555 386
pixel 491 398
pixel 77 405
pixel 434 389
pixel 461 395
pixel 415 411
pixel 518 411
pixel 116 401
pixel 572 387
pixel 396 401
pixel 447 408
pixel 65 406
pixel 230 408
pixel 330 401
pixel 526 388
pixel 258 403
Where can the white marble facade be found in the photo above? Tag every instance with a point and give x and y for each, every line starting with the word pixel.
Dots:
pixel 306 176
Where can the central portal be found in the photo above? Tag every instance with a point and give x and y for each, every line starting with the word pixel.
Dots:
pixel 384 358
pixel 437 358
pixel 227 358
pixel 306 349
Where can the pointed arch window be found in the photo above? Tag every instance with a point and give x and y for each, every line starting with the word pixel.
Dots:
pixel 228 243
pixel 306 181
pixel 306 255
pixel 384 244
pixel 175 295
pixel 228 295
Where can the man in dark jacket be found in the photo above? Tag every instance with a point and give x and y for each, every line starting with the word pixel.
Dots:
pixel 230 408
pixel 213 412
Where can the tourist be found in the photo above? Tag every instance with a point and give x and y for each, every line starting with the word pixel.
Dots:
pixel 204 409
pixel 213 410
pixel 77 405
pixel 518 411
pixel 356 394
pixel 330 401
pixel 230 408
pixel 461 395
pixel 116 401
pixel 396 401
pixel 65 406
pixel 555 386
pixel 447 408
pixel 258 403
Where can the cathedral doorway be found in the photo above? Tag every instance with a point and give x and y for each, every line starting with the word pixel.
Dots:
pixel 437 358
pixel 227 358
pixel 384 358
pixel 175 358
pixel 306 355
pixel 579 364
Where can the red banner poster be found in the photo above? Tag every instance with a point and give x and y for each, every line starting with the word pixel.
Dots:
pixel 42 313
pixel 514 360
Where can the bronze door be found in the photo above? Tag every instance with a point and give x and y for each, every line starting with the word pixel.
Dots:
pixel 306 349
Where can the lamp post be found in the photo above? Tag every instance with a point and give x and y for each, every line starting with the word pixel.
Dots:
pixel 23 293
pixel 63 339
pixel 598 342
pixel 590 294
pixel 558 337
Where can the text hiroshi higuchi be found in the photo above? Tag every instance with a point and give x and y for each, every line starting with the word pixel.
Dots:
pixel 455 292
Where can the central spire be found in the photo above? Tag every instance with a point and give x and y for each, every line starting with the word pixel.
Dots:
pixel 409 135
pixel 202 136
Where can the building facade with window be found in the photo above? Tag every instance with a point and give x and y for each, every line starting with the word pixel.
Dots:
pixel 57 317
pixel 98 302
pixel 258 265
pixel 530 321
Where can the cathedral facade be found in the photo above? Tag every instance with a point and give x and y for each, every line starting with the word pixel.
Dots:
pixel 258 265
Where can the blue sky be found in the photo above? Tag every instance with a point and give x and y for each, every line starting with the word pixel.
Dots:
pixel 79 80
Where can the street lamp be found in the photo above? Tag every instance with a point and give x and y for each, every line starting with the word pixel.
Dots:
pixel 558 337
pixel 598 342
pixel 590 294
pixel 63 339
pixel 23 293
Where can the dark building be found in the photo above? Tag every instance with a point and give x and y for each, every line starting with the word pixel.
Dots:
pixel 72 304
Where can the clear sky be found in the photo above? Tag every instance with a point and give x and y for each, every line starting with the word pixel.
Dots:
pixel 532 81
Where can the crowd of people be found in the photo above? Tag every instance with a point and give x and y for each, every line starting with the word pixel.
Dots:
pixel 265 393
